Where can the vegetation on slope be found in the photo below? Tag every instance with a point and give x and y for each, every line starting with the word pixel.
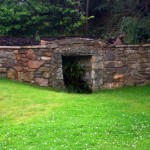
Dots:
pixel 102 18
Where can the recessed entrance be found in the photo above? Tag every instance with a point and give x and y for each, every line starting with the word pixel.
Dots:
pixel 77 73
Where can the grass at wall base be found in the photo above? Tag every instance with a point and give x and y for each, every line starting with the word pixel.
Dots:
pixel 43 119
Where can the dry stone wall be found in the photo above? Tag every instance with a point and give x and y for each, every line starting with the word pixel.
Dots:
pixel 126 65
pixel 106 66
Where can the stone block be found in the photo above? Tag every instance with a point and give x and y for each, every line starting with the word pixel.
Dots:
pixel 113 85
pixel 3 75
pixel 109 56
pixel 53 45
pixel 42 42
pixel 25 59
pixel 144 60
pixel 109 64
pixel 3 70
pixel 48 54
pixel 3 60
pixel 18 57
pixel 118 77
pixel 135 66
pixel 123 69
pixel 28 76
pixel 18 68
pixel 45 58
pixel 59 74
pixel 20 76
pixel 11 74
pixel 41 81
pixel 44 69
pixel 46 74
pixel 7 54
pixel 118 64
pixel 30 54
pixel 99 65
pixel 34 64
pixel 16 51
pixel 144 65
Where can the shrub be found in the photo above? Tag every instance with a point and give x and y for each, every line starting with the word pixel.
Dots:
pixel 73 78
pixel 136 30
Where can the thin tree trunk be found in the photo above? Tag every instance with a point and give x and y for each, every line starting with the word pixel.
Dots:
pixel 87 15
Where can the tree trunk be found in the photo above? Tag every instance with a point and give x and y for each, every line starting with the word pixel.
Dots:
pixel 87 16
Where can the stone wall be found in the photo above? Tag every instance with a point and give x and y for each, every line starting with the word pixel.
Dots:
pixel 29 64
pixel 107 66
pixel 126 65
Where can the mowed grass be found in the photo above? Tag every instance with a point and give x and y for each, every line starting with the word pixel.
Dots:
pixel 34 118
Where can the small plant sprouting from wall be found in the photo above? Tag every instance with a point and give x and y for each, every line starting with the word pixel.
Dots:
pixel 73 78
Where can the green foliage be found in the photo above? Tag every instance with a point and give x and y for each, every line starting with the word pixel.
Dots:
pixel 73 78
pixel 136 30
pixel 26 17
pixel 67 17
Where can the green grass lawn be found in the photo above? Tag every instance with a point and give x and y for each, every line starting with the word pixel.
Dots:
pixel 34 118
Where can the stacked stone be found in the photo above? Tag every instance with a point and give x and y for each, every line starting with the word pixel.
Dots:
pixel 106 66
pixel 138 58
pixel 7 62
pixel 126 65
pixel 91 52
pixel 28 64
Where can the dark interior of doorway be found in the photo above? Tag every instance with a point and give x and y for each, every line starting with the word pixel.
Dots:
pixel 73 73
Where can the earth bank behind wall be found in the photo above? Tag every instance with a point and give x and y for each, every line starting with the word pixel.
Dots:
pixel 110 66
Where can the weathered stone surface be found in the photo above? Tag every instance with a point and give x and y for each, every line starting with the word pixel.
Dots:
pixel 109 64
pixel 30 54
pixel 2 70
pixel 59 74
pixel 118 64
pixel 18 57
pixel 118 77
pixel 118 41
pixel 3 60
pixel 7 54
pixel 20 76
pixel 122 70
pixel 28 76
pixel 48 54
pixel 46 74
pixel 42 42
pixel 102 44
pixel 16 51
pixel 25 76
pixel 42 82
pixel 109 56
pixel 35 64
pixel 105 66
pixel 11 74
pixel 10 63
pixel 112 85
pixel 135 66
pixel 45 58
pixel 29 69
pixel 42 69
pixel 53 45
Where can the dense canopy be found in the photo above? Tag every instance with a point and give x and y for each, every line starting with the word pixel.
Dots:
pixel 103 18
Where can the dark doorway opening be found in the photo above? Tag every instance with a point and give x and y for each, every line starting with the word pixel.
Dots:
pixel 77 73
